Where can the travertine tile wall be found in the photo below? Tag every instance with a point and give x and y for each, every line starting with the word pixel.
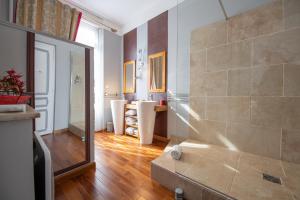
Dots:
pixel 245 81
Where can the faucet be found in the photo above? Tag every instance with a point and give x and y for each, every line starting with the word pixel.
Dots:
pixel 150 97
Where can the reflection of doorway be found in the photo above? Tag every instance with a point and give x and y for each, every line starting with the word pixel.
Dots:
pixel 44 75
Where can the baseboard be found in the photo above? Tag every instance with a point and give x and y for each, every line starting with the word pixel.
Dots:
pixel 160 138
pixel 75 172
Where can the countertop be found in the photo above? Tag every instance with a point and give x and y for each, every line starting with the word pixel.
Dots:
pixel 30 113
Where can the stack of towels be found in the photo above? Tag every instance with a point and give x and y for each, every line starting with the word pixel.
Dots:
pixel 130 113
pixel 131 121
pixel 131 131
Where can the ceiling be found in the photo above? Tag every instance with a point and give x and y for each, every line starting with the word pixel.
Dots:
pixel 129 14
pixel 126 14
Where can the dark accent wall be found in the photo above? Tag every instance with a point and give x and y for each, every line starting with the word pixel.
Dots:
pixel 158 34
pixel 130 51
pixel 130 45
pixel 158 42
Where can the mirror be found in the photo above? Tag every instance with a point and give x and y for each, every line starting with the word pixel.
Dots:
pixel 157 72
pixel 60 97
pixel 129 77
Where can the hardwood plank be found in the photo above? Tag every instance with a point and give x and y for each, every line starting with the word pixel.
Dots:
pixel 66 149
pixel 122 172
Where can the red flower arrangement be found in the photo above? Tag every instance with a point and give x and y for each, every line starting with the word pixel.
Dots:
pixel 12 89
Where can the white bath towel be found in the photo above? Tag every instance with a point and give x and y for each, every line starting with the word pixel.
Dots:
pixel 130 112
pixel 130 119
pixel 130 130
pixel 176 152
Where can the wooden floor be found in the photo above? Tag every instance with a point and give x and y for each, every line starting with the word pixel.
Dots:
pixel 122 172
pixel 66 149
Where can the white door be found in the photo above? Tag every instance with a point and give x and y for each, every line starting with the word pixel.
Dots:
pixel 44 85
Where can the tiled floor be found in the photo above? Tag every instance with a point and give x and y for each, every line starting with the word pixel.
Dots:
pixel 235 174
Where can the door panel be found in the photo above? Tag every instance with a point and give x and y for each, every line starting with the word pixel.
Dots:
pixel 44 75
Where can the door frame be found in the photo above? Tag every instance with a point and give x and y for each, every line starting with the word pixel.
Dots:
pixel 30 90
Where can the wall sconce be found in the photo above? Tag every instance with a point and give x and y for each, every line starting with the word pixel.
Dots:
pixel 140 63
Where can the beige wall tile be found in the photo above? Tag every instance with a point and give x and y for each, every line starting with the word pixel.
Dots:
pixel 291 146
pixel 198 61
pixel 279 48
pixel 292 80
pixel 266 111
pixel 209 84
pixel 210 35
pixel 196 108
pixel 263 20
pixel 292 13
pixel 291 113
pixel 234 55
pixel 267 81
pixel 239 82
pixel 216 108
pixel 211 132
pixel 238 109
pixel 256 140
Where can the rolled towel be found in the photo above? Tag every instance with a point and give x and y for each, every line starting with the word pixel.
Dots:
pixel 176 152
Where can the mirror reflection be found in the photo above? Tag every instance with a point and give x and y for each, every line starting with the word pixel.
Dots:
pixel 129 77
pixel 60 99
pixel 157 72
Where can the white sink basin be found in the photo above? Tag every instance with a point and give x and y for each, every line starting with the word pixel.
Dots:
pixel 117 109
pixel 146 118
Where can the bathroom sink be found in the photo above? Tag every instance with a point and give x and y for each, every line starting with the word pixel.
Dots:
pixel 117 109
pixel 146 118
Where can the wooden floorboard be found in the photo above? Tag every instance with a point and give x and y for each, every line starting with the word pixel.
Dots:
pixel 122 172
pixel 66 149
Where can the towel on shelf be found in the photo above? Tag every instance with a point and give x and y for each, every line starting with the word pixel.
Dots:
pixel 130 112
pixel 176 152
pixel 135 131
pixel 130 130
pixel 130 119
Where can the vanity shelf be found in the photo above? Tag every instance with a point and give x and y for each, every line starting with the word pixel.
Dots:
pixel 126 125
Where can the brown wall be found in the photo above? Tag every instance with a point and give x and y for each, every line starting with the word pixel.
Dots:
pixel 157 42
pixel 130 45
pixel 130 51
pixel 158 34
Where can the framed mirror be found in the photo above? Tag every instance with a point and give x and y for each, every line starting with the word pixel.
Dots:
pixel 129 77
pixel 157 72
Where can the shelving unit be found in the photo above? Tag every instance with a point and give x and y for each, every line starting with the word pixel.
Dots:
pixel 130 107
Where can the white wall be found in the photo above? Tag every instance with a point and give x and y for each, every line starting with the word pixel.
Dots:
pixel 13 50
pixel 141 81
pixel 4 10
pixel 112 54
pixel 62 79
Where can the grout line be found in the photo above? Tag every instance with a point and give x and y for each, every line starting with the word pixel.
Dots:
pixel 283 91
pixel 283 15
pixel 206 67
pixel 280 146
pixel 227 83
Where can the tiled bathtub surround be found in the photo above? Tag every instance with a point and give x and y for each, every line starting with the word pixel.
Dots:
pixel 241 174
pixel 245 81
